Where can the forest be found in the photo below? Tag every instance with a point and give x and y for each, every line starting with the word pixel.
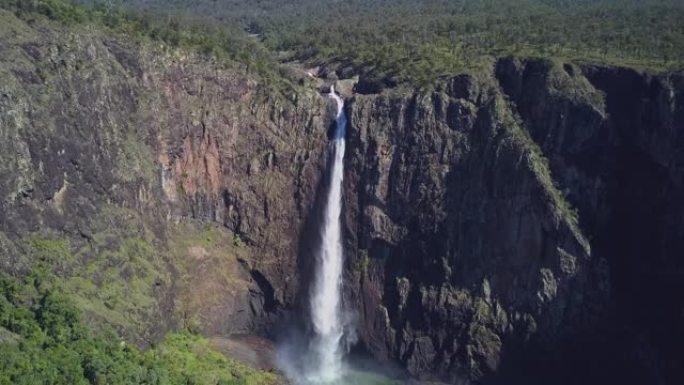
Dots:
pixel 44 341
pixel 396 40
pixel 422 40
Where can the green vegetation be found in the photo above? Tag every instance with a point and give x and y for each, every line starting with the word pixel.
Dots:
pixel 363 261
pixel 538 163
pixel 43 341
pixel 222 41
pixel 422 40
pixel 392 41
pixel 126 279
pixel 237 241
pixel 53 252
pixel 118 284
pixel 118 279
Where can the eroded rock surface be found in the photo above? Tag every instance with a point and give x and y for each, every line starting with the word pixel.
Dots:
pixel 466 248
pixel 125 154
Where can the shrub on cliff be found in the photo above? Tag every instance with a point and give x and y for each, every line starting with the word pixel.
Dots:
pixel 46 343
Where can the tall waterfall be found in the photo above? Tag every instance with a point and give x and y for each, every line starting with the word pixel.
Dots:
pixel 325 294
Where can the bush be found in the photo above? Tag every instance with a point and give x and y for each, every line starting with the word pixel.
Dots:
pixel 56 348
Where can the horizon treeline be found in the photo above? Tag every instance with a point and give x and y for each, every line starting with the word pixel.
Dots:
pixel 421 40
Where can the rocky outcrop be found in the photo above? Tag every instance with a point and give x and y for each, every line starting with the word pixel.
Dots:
pixel 467 251
pixel 479 261
pixel 121 153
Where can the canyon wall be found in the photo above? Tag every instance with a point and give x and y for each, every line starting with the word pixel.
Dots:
pixel 466 246
pixel 163 188
pixel 519 224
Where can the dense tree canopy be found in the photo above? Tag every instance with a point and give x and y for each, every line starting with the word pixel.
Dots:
pixel 423 39
pixel 403 40
pixel 43 341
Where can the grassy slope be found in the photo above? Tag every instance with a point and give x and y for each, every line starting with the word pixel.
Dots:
pixel 224 42
pixel 106 292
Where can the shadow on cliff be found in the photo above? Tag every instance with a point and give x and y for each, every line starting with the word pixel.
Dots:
pixel 635 155
pixel 455 244
pixel 644 237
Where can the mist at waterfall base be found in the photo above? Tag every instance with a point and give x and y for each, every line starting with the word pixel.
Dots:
pixel 317 356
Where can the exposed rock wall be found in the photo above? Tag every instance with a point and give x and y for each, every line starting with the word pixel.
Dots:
pixel 614 138
pixel 466 248
pixel 107 141
pixel 479 261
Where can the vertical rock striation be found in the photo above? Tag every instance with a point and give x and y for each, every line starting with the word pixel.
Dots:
pixel 467 251
pixel 109 143
pixel 614 139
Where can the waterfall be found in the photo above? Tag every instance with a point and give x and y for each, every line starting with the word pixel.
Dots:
pixel 326 359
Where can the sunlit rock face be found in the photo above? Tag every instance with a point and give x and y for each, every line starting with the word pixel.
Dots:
pixel 178 187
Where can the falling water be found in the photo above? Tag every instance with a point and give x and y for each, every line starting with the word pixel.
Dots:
pixel 316 358
pixel 326 365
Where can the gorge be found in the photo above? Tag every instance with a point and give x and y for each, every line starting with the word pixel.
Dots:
pixel 518 225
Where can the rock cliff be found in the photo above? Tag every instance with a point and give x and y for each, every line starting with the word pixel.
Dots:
pixel 466 248
pixel 163 187
pixel 519 224
pixel 614 140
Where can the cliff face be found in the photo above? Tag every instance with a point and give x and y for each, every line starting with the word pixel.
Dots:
pixel 478 260
pixel 622 167
pixel 118 157
pixel 466 248
pixel 164 190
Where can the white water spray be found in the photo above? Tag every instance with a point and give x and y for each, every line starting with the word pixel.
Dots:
pixel 318 358
pixel 325 295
